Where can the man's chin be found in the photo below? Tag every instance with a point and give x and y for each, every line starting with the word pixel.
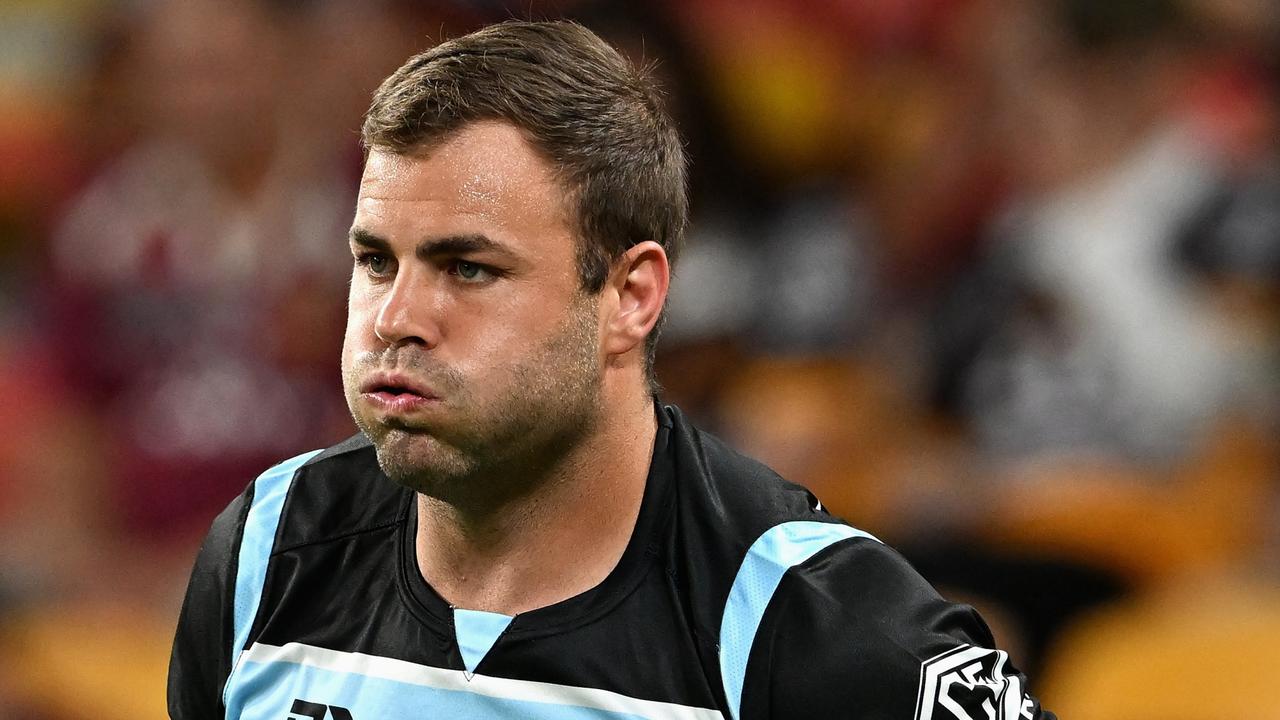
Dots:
pixel 417 459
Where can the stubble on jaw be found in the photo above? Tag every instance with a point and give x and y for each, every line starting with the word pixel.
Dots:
pixel 493 450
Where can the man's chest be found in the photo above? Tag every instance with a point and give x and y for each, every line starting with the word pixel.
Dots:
pixel 354 642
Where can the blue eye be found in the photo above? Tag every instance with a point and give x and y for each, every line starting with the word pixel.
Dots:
pixel 473 273
pixel 374 263
pixel 468 271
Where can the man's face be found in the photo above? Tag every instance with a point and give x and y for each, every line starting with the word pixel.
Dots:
pixel 471 356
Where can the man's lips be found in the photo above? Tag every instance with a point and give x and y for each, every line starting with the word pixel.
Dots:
pixel 395 384
pixel 396 393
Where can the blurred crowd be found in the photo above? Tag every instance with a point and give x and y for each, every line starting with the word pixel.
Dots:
pixel 998 279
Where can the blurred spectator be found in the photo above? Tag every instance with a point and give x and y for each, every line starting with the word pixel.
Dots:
pixel 1103 341
pixel 1118 405
pixel 201 271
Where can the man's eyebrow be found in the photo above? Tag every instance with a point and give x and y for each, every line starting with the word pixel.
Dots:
pixel 434 247
pixel 461 244
pixel 360 236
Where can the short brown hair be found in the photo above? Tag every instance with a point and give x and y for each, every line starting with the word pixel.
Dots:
pixel 599 119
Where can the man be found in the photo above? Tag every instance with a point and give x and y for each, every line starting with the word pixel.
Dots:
pixel 519 530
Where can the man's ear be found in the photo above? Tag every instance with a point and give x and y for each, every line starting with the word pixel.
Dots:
pixel 639 282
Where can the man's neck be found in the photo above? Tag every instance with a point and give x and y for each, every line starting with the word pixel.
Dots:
pixel 556 542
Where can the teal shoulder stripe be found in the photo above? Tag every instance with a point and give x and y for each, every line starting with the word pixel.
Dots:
pixel 779 549
pixel 269 492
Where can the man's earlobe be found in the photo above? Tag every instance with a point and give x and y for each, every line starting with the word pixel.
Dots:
pixel 640 280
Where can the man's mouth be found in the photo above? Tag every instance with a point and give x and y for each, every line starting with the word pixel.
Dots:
pixel 394 390
pixel 396 393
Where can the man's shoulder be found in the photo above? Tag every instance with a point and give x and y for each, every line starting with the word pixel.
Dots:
pixel 757 528
pixel 331 493
pixel 739 525
pixel 810 612
pixel 736 495
pixel 340 464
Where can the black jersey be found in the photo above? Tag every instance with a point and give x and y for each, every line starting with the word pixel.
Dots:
pixel 738 597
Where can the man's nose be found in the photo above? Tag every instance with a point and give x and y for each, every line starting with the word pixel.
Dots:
pixel 407 313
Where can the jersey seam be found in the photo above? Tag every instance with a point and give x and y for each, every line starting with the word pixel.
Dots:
pixel 335 538
pixel 586 618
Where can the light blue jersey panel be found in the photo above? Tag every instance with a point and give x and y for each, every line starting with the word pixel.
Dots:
pixel 270 679
pixel 376 698
pixel 269 492
pixel 776 551
pixel 476 632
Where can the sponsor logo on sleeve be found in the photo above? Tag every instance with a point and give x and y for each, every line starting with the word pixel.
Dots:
pixel 969 683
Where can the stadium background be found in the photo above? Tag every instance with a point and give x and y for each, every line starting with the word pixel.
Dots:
pixel 999 279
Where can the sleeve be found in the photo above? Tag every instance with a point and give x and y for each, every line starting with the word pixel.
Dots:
pixel 855 632
pixel 201 659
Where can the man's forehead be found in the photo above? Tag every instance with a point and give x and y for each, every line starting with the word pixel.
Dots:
pixel 485 179
pixel 483 161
